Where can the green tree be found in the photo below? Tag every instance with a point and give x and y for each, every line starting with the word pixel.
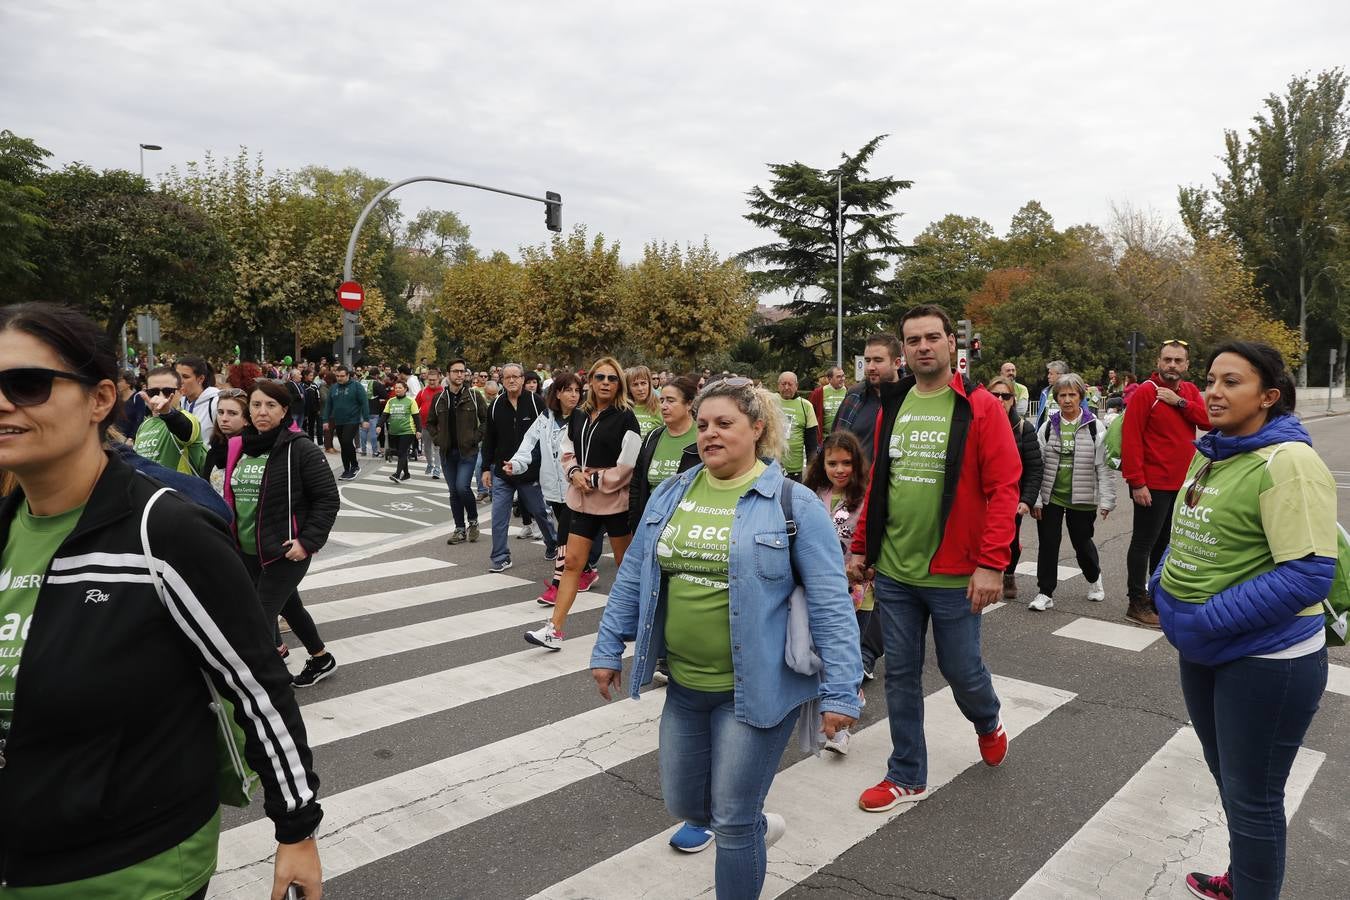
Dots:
pixel 21 220
pixel 1031 240
pixel 801 207
pixel 484 306
pixel 574 287
pixel 946 263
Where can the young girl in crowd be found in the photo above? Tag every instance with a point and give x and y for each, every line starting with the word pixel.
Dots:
pixel 231 419
pixel 838 475
pixel 643 400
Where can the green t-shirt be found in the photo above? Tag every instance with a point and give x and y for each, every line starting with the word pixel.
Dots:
pixel 798 415
pixel 918 472
pixel 33 541
pixel 831 398
pixel 246 485
pixel 647 420
pixel 1250 517
pixel 402 412
pixel 666 457
pixel 1063 490
pixel 155 441
pixel 692 551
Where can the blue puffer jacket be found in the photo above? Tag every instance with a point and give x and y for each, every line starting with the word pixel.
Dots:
pixel 1256 616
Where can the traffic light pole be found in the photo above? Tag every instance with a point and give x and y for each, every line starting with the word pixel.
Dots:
pixel 552 220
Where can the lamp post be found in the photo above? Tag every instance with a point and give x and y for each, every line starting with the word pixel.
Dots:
pixel 145 147
pixel 839 266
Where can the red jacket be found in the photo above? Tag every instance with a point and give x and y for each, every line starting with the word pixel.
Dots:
pixel 979 494
pixel 425 397
pixel 1157 439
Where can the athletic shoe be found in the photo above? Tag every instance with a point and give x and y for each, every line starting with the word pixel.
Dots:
pixel 1041 603
pixel 483 498
pixel 499 566
pixel 406 476
pixel 394 478
pixel 549 597
pixel 457 537
pixel 587 580
pixel 551 554
pixel 545 636
pixel 994 746
pixel 1009 586
pixel 347 475
pixel 316 669
pixel 1096 593
pixel 838 743
pixel 435 474
pixel 886 795
pixel 428 471
pixel 1210 887
pixel 662 674
pixel 774 828
pixel 473 532
pixel 691 838
pixel 1140 614
pixel 869 671
pixel 527 533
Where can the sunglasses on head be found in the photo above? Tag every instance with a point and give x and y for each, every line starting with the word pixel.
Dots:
pixel 604 376
pixel 162 392
pixel 1177 341
pixel 33 386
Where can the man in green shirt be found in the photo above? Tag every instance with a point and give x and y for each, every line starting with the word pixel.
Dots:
pixel 799 427
pixel 826 399
pixel 169 436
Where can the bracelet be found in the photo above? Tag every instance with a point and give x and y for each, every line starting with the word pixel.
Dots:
pixel 572 471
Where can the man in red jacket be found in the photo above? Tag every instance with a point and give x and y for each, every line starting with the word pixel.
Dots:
pixel 936 527
pixel 1157 440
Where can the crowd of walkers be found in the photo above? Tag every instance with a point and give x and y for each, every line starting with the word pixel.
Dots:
pixel 771 550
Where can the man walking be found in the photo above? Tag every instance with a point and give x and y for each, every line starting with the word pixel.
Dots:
pixel 1022 397
pixel 345 410
pixel 509 417
pixel 936 528
pixel 425 398
pixel 825 401
pixel 882 356
pixel 799 423
pixel 456 420
pixel 199 396
pixel 1156 445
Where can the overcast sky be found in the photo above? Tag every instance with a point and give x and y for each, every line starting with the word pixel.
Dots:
pixel 653 119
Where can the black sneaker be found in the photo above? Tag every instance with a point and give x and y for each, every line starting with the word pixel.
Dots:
pixel 347 475
pixel 316 669
pixel 869 671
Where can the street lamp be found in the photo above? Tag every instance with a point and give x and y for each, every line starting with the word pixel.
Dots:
pixel 145 147
pixel 839 262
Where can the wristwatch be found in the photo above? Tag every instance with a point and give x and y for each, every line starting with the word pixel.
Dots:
pixel 1181 403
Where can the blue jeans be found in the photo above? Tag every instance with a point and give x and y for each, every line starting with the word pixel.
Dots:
pixel 369 441
pixel 716 772
pixel 1251 715
pixel 531 499
pixel 478 473
pixel 905 611
pixel 458 472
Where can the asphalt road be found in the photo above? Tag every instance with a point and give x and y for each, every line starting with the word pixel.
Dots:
pixel 459 762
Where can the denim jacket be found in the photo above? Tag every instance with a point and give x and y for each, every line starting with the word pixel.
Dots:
pixel 760 578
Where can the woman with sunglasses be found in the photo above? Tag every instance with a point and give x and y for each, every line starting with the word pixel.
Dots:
pixel 1239 593
pixel 110 772
pixel 598 453
pixel 708 582
pixel 1004 390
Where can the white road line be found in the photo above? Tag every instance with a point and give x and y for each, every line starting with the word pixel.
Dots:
pixel 382 489
pixel 382 818
pixel 346 557
pixel 818 797
pixel 360 538
pixel 358 514
pixel 1065 572
pixel 425 499
pixel 346 716
pixel 1165 822
pixel 376 644
pixel 1122 637
pixel 1338 680
pixel 404 598
pixel 315 582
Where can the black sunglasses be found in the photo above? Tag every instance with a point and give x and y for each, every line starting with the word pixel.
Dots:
pixel 162 392
pixel 33 386
pixel 602 376
pixel 1001 396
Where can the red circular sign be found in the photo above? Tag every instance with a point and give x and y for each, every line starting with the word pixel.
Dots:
pixel 351 295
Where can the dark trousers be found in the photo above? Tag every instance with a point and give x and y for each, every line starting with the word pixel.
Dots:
pixel 1251 715
pixel 1016 548
pixel 346 438
pixel 1049 530
pixel 1152 532
pixel 276 586
pixel 313 428
pixel 402 443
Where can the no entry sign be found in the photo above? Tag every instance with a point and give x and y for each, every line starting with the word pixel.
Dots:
pixel 351 295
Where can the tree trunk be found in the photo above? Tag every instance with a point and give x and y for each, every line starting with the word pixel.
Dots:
pixel 1303 328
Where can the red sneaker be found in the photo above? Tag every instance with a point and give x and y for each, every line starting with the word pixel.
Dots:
pixel 587 580
pixel 994 746
pixel 1214 887
pixel 887 795
pixel 549 597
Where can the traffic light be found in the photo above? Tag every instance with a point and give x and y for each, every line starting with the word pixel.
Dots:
pixel 553 211
pixel 358 344
pixel 975 343
pixel 963 334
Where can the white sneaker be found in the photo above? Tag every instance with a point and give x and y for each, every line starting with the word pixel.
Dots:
pixel 1096 593
pixel 545 636
pixel 1041 603
pixel 527 533
pixel 774 828
pixel 838 743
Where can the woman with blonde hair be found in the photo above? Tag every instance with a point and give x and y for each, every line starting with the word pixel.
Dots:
pixel 598 454
pixel 645 402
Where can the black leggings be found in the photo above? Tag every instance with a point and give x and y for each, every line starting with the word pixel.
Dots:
pixel 1082 524
pixel 402 442
pixel 276 586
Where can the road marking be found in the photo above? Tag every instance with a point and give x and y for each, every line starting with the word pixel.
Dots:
pixel 425 499
pixel 383 489
pixel 1338 680
pixel 358 514
pixel 376 644
pixel 1122 637
pixel 993 606
pixel 1165 822
pixel 811 792
pixel 377 820
pixel 316 582
pixel 346 557
pixel 405 598
pixel 360 538
pixel 1065 572
pixel 346 716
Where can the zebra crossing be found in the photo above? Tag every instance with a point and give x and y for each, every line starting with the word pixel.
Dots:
pixel 457 762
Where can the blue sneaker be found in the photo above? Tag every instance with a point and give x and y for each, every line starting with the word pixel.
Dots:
pixel 691 838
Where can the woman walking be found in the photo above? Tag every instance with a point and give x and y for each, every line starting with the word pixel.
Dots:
pixel 231 419
pixel 1075 483
pixel 709 578
pixel 400 423
pixel 643 399
pixel 285 502
pixel 1005 392
pixel 598 453
pixel 1239 592
pixel 117 795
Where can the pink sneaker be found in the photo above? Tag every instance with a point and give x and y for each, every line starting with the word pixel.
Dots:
pixel 587 580
pixel 549 597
